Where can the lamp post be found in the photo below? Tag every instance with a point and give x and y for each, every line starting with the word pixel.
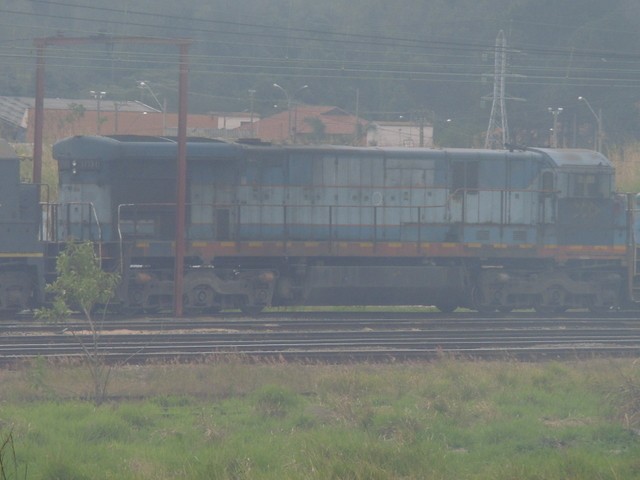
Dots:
pixel 554 132
pixel 252 94
pixel 144 85
pixel 599 135
pixel 98 96
pixel 290 100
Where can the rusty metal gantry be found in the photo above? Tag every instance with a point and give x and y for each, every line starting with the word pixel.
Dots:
pixel 42 43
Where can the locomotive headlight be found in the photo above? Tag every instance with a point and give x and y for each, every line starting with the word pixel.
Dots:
pixel 74 164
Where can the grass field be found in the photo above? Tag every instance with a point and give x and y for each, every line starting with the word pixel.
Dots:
pixel 448 419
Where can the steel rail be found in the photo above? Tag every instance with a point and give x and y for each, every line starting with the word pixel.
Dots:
pixel 373 338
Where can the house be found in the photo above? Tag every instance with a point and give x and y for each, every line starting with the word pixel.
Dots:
pixel 302 124
pixel 68 117
pixel 309 124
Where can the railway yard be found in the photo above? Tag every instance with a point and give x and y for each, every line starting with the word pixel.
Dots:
pixel 302 395
pixel 330 337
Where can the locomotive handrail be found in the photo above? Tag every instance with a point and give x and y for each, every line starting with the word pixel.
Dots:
pixel 51 234
pixel 159 211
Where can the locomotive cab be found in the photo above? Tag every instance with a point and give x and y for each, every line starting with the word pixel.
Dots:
pixel 588 212
pixel 83 210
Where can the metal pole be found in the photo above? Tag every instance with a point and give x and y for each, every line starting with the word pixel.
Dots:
pixel 290 100
pixel 356 127
pixel 39 115
pixel 600 131
pixel 98 118
pixel 554 133
pixel 181 187
pixel 41 44
pixel 182 131
pixel 251 96
pixel 598 117
pixel 98 96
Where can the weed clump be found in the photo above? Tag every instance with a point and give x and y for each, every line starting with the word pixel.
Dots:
pixel 627 401
pixel 275 401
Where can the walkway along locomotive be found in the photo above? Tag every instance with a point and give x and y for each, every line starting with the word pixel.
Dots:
pixel 300 225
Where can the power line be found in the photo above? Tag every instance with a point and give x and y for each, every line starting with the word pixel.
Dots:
pixel 326 36
pixel 418 60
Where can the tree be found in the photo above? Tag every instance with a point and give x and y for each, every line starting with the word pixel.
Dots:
pixel 82 285
pixel 319 129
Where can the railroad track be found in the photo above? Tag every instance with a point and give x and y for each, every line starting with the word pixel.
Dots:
pixel 331 337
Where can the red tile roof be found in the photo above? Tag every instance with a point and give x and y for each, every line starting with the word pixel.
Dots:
pixel 336 121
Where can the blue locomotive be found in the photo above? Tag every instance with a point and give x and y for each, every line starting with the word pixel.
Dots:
pixel 299 225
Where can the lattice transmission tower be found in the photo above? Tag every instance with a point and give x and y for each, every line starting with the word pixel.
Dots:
pixel 498 131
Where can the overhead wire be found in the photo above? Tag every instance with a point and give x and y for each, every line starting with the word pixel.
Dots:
pixel 251 62
pixel 469 71
pixel 367 39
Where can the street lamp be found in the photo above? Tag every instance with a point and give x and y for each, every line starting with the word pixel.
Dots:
pixel 98 96
pixel 599 135
pixel 554 132
pixel 143 85
pixel 252 94
pixel 290 100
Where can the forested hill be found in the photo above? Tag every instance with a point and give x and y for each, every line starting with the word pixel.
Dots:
pixel 408 59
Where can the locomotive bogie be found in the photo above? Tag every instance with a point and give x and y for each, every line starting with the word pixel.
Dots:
pixel 547 291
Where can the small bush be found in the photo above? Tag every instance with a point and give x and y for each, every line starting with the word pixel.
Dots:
pixel 58 469
pixel 275 401
pixel 627 402
pixel 101 430
pixel 171 401
pixel 136 416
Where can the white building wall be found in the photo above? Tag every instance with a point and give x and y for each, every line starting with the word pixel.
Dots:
pixel 231 121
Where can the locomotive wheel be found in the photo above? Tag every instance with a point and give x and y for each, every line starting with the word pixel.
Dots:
pixel 199 291
pixel 552 301
pixel 201 296
pixel 477 301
